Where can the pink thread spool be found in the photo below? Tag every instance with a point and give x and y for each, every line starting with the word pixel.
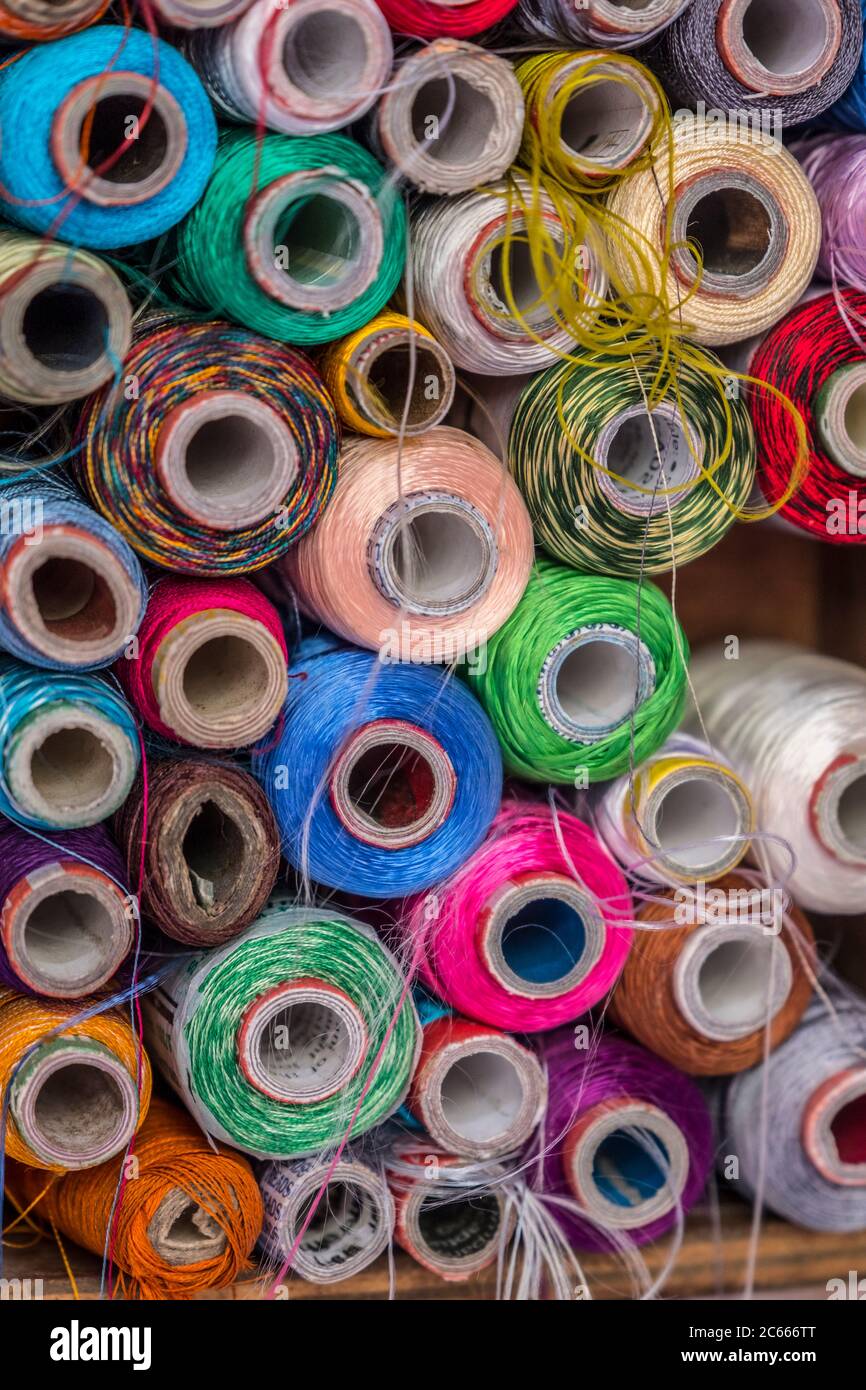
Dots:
pixel 532 930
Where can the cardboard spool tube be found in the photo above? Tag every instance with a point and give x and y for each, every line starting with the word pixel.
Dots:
pixel 779 47
pixel 611 1169
pixel 834 1128
pixel 540 935
pixel 696 820
pixel 70 597
pixel 326 58
pixel 453 1234
pixel 74 1103
pixel 66 928
pixel 728 980
pixel 200 14
pixel 50 13
pixel 629 19
pixel 393 784
pixel 837 809
pixel 351 1226
pixel 433 554
pixel 741 229
pixel 840 417
pixel 226 459
pixel 183 1233
pixel 587 685
pixel 607 121
pixel 146 165
pixel 220 679
pixel 301 1042
pixel 629 446
pixel 380 369
pixel 70 766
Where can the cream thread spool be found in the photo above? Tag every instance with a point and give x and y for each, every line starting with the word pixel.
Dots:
pixel 609 1156
pixel 540 935
pixel 452 117
pixel 74 1103
pixel 69 766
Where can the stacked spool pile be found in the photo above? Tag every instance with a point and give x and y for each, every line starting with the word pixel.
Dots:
pixel 358 787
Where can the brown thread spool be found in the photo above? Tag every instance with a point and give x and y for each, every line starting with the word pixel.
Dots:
pixel 212 849
pixel 697 995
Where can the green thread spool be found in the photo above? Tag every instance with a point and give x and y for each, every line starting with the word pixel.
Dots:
pixel 562 674
pixel 584 450
pixel 271 1039
pixel 302 239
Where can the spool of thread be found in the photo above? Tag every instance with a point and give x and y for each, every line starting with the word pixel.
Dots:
pixel 498 305
pixel 614 488
pixel 389 378
pixel 805 1108
pixel 744 202
pixel 791 723
pixel 27 20
pixel 427 19
pixel 66 916
pixel 447 1219
pixel 530 931
pixel 728 54
pixel 627 1137
pixel 199 14
pixel 683 814
pixel 314 255
pixel 80 1095
pixel 69 747
pixel 451 118
pixel 108 138
pixel 478 1092
pixel 701 995
pixel 591 117
pixel 65 325
pixel 835 165
pixel 351 1226
pixel 586 677
pixel 72 591
pixel 434 545
pixel 301 69
pixel 814 359
pixel 188 1222
pixel 850 109
pixel 210 668
pixel 229 445
pixel 277 1040
pixel 383 778
pixel 211 848
pixel 604 22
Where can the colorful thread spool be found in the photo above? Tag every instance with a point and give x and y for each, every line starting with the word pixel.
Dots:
pixel 383 778
pixel 451 118
pixel 211 848
pixel 683 814
pixel 229 443
pixel 804 1108
pixel 66 321
pixel 389 378
pixel 615 488
pixel 791 723
pixel 812 356
pixel 726 54
pixel 744 201
pixel 598 22
pixel 210 668
pixel 530 931
pixel 314 255
pixel 836 168
pixel 73 594
pixel 79 94
pixel 701 995
pixel 271 1040
pixel 66 915
pixel 427 19
pixel 496 304
pixel 627 1137
pixel 351 1227
pixel 28 19
pixel 187 1221
pixel 69 747
pixel 448 1220
pixel 434 545
pixel 478 1092
pixel 300 69
pixel 584 678
pixel 80 1095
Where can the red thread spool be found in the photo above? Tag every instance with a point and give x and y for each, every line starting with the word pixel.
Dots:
pixel 430 20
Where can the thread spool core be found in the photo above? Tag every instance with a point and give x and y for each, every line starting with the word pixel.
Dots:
pixel 70 766
pixel 226 459
pixel 379 372
pixel 834 1128
pixel 66 929
pixel 456 1236
pixel 629 446
pixel 393 785
pixel 51 12
pixel 490 263
pixel 201 14
pixel 462 116
pixel 114 104
pixel 779 47
pixel 183 1233
pixel 433 554
pixel 301 1042
pixel 75 1103
pixel 314 240
pixel 350 1227
pixel 540 935
pixel 728 980
pixel 479 1095
pixel 738 225
pixel 606 123
pixel 840 417
pixel 696 820
pixel 323 59
pixel 593 680
pixel 626 1162
pixel 838 808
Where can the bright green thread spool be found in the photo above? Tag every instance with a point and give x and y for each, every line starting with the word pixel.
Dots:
pixel 300 239
pixel 585 454
pixel 561 676
pixel 271 1039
